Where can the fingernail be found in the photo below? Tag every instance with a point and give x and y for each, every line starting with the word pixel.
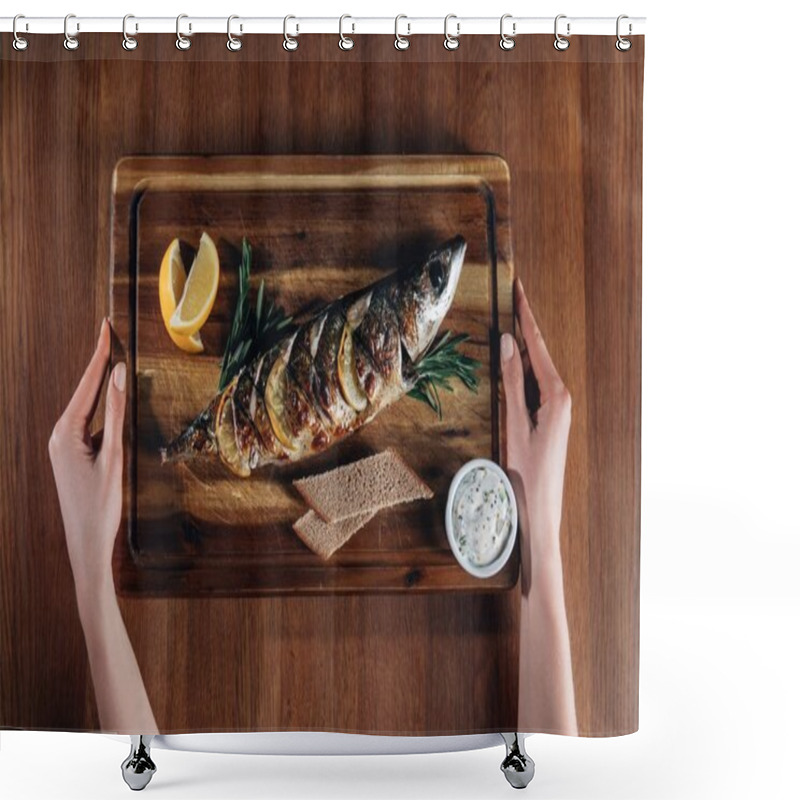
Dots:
pixel 102 327
pixel 119 375
pixel 506 346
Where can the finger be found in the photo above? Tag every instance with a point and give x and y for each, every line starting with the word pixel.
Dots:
pixel 543 368
pixel 513 383
pixel 82 406
pixel 111 449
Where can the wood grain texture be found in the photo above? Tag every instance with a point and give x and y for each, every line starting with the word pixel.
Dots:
pixel 321 227
pixel 569 126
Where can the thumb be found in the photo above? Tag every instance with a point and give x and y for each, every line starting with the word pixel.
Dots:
pixel 513 382
pixel 115 416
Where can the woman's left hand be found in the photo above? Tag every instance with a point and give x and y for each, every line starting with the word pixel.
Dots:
pixel 88 470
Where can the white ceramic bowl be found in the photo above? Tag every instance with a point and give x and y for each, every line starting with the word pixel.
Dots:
pixel 487 570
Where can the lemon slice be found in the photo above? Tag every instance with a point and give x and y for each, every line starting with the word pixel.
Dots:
pixel 226 437
pixel 348 379
pixel 274 398
pixel 171 280
pixel 200 290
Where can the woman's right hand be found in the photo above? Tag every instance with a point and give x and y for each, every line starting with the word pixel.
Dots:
pixel 536 438
pixel 537 458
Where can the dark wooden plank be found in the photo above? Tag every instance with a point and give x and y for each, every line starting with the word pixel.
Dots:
pixel 569 126
pixel 320 228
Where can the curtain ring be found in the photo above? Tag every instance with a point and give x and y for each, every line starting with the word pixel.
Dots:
pixel 70 41
pixel 622 44
pixel 345 42
pixel 182 43
pixel 451 42
pixel 19 43
pixel 128 42
pixel 234 42
pixel 561 43
pixel 401 42
pixel 289 42
pixel 507 42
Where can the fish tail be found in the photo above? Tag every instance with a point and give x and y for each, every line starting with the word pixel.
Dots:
pixel 196 440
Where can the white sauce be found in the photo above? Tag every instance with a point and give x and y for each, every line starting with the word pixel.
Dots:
pixel 481 516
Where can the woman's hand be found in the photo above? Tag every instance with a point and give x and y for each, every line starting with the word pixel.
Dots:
pixel 88 473
pixel 537 457
pixel 537 438
pixel 89 476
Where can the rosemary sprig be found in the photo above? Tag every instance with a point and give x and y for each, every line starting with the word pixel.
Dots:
pixel 439 366
pixel 250 331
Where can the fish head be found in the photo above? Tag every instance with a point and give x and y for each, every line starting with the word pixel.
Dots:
pixel 430 289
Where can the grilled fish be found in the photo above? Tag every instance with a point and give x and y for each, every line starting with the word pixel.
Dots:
pixel 330 376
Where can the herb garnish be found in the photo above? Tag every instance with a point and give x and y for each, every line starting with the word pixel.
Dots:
pixel 441 364
pixel 251 332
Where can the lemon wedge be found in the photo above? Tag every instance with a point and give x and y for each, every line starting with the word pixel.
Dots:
pixel 200 291
pixel 275 401
pixel 348 378
pixel 171 281
pixel 225 433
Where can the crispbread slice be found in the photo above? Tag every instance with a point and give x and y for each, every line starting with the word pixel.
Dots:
pixel 364 486
pixel 325 538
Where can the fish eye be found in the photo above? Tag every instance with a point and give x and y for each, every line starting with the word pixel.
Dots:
pixel 436 273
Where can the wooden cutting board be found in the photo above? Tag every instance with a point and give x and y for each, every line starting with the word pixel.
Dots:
pixel 319 227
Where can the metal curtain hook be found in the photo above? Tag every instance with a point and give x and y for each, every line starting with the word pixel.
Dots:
pixel 70 41
pixel 345 42
pixel 19 43
pixel 128 42
pixel 401 42
pixel 561 43
pixel 451 42
pixel 289 42
pixel 234 42
pixel 507 42
pixel 623 44
pixel 182 43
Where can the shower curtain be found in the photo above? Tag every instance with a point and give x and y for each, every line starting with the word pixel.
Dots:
pixel 259 308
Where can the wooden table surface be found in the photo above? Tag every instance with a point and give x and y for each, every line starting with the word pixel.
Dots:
pixel 569 126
